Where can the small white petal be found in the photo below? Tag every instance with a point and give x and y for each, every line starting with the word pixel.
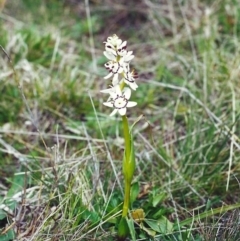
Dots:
pixel 112 51
pixel 109 104
pixel 118 42
pixel 115 79
pixel 114 83
pixel 127 93
pixel 122 111
pixel 109 55
pixel 111 91
pixel 133 85
pixel 124 44
pixel 108 91
pixel 108 76
pixel 118 90
pixel 113 112
pixel 128 58
pixel 131 103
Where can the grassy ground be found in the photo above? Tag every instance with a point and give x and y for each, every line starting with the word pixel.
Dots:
pixel 60 153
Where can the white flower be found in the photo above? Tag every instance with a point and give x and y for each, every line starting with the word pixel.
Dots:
pixel 128 56
pixel 116 49
pixel 113 46
pixel 114 40
pixel 129 79
pixel 119 100
pixel 116 52
pixel 114 69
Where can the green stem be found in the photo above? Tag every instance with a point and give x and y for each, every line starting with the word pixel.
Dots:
pixel 126 135
pixel 126 198
pixel 127 156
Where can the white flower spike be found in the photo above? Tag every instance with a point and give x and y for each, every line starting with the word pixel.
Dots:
pixel 118 65
pixel 120 101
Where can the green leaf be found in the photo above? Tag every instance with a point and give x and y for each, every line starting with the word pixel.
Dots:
pixel 2 215
pixel 162 225
pixel 134 192
pixel 158 198
pixel 149 231
pixel 123 229
pixel 129 162
pixel 130 223
pixel 17 184
pixel 7 236
pixel 159 213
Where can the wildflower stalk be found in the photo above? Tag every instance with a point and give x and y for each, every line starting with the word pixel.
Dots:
pixel 118 66
pixel 127 136
pixel 128 166
pixel 126 198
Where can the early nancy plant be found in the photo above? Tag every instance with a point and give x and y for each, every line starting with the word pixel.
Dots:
pixel 123 82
